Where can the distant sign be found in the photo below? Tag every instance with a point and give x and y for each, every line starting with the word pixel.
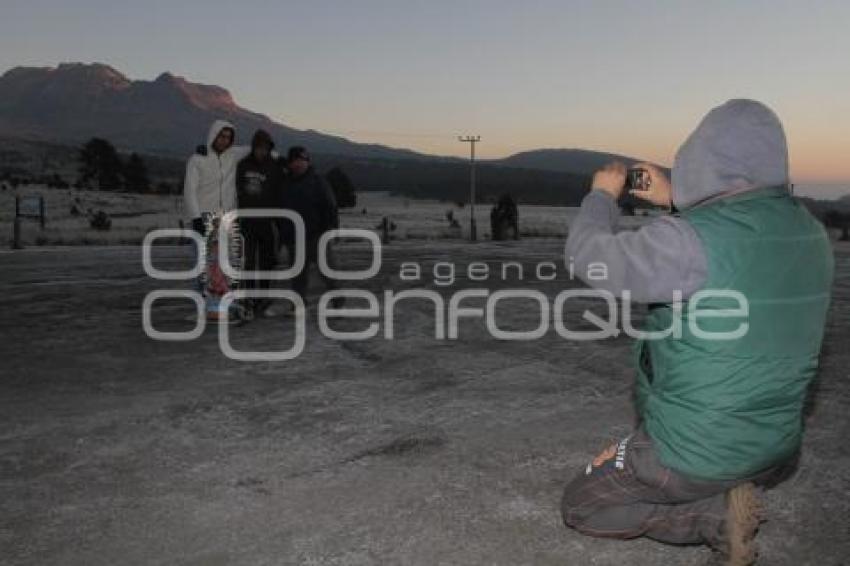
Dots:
pixel 31 206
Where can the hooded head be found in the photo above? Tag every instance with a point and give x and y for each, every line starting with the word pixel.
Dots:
pixel 738 146
pixel 216 129
pixel 262 137
pixel 261 144
pixel 298 160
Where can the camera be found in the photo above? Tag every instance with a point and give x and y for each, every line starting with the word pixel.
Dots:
pixel 638 179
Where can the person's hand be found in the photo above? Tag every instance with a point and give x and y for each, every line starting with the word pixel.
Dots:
pixel 605 455
pixel 610 179
pixel 660 192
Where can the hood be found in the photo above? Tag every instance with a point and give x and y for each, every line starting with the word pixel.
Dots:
pixel 738 146
pixel 216 127
pixel 262 137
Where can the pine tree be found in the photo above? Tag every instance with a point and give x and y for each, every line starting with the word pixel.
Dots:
pixel 343 188
pixel 136 175
pixel 100 166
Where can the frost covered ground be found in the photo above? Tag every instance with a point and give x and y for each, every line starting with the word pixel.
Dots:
pixel 117 449
pixel 134 215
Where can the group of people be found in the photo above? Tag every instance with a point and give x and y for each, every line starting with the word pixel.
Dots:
pixel 223 176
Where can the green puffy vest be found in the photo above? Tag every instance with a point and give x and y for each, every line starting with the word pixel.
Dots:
pixel 727 409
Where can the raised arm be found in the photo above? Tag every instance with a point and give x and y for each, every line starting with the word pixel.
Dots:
pixel 652 263
pixel 240 151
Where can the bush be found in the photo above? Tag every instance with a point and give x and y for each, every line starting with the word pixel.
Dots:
pixel 100 221
pixel 100 166
pixel 56 181
pixel 135 173
pixel 164 188
pixel 839 220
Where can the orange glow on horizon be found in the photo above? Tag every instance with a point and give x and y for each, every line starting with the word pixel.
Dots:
pixel 828 162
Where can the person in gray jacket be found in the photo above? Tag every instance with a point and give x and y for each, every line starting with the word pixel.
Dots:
pixel 720 411
pixel 739 146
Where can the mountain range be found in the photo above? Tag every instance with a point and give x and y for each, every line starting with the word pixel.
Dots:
pixel 166 118
pixel 582 161
pixel 170 115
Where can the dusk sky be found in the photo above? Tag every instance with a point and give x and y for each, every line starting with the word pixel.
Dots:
pixel 629 77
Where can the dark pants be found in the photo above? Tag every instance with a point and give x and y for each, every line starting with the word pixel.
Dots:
pixel 260 251
pixel 632 494
pixel 300 281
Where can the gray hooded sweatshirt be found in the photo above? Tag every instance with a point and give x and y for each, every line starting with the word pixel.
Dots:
pixel 739 146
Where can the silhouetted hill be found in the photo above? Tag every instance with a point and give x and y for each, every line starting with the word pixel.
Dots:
pixel 450 180
pixel 581 161
pixel 170 115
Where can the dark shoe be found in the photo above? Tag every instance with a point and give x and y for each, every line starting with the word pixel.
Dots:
pixel 241 312
pixel 743 515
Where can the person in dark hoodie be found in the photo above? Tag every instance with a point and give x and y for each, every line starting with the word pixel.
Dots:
pixel 308 194
pixel 717 416
pixel 259 181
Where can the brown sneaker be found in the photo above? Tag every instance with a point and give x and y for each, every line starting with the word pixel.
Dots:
pixel 743 515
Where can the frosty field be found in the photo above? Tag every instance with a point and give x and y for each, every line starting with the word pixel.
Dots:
pixel 134 215
pixel 117 449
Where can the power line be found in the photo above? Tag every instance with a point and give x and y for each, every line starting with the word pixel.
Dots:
pixel 386 133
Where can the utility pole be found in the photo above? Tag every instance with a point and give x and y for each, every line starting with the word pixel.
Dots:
pixel 471 140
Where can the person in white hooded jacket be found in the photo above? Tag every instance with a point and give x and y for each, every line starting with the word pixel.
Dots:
pixel 210 183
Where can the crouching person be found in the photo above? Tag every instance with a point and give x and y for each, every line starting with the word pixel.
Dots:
pixel 720 411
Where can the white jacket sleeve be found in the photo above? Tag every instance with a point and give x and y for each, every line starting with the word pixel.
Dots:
pixel 240 152
pixel 190 189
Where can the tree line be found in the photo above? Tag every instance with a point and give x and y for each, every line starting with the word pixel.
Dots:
pixel 101 168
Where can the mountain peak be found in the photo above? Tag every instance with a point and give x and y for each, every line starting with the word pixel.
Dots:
pixel 76 76
pixel 168 77
pixel 95 71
